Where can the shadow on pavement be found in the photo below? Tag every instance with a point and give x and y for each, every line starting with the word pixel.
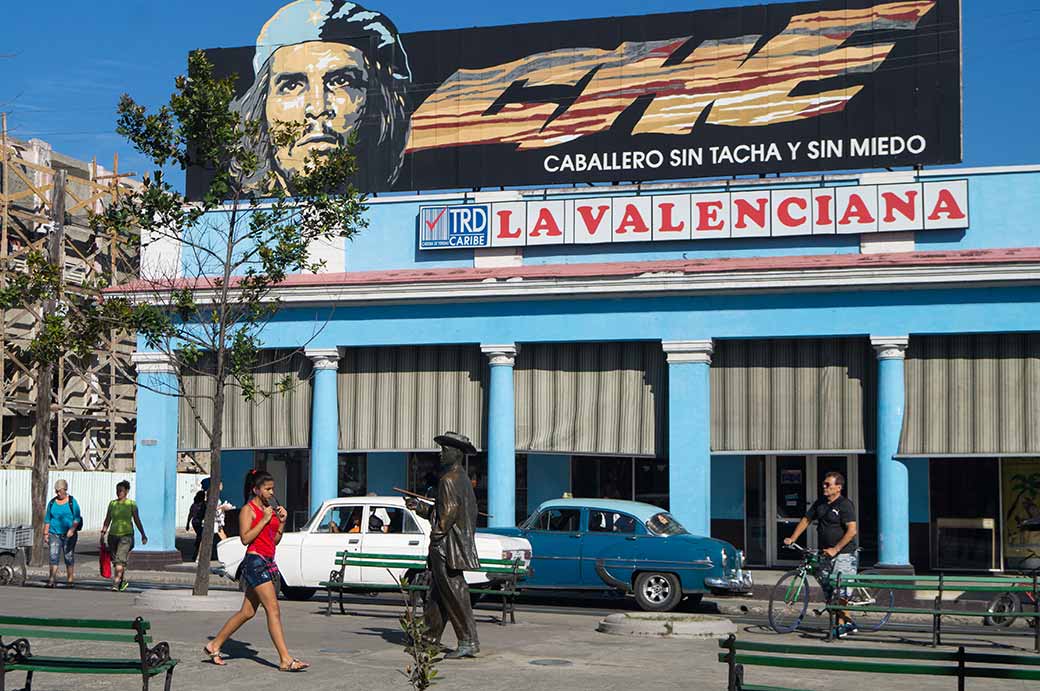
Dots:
pixel 238 650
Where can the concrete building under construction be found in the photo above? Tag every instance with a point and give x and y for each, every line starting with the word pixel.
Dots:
pixel 92 400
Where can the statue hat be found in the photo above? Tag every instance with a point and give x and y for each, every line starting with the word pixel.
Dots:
pixel 459 441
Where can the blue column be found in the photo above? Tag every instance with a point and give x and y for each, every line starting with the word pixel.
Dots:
pixel 324 427
pixel 156 450
pixel 689 433
pixel 501 442
pixel 892 475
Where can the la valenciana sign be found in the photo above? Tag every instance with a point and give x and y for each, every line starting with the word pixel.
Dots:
pixel 698 216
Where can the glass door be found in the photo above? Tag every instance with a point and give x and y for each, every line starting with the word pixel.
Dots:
pixel 792 483
pixel 790 497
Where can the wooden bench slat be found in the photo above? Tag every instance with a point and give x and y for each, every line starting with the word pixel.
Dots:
pixel 72 623
pixel 60 666
pixel 879 585
pixel 935 579
pixel 930 612
pixel 70 635
pixel 841 665
pixel 1002 673
pixel 842 651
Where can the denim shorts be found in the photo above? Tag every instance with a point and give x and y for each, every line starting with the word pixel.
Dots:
pixel 257 570
pixel 63 545
pixel 844 564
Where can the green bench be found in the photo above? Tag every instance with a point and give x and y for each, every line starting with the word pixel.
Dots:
pixel 19 634
pixel 740 654
pixel 940 584
pixel 505 572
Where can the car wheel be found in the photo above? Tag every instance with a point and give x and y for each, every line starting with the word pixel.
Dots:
pixel 298 594
pixel 657 592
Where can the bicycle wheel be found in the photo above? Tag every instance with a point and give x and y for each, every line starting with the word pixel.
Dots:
pixel 788 602
pixel 1005 603
pixel 871 597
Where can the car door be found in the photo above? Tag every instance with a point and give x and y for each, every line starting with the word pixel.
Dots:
pixel 330 534
pixel 611 536
pixel 556 548
pixel 390 530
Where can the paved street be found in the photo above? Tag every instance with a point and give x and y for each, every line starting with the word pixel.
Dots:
pixel 364 650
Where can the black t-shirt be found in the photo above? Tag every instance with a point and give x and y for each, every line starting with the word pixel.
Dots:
pixel 831 522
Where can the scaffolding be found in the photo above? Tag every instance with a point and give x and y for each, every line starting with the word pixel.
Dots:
pixel 93 403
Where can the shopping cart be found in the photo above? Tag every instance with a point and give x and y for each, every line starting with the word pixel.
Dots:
pixel 13 542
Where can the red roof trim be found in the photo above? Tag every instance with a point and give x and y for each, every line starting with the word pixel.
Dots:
pixel 1016 255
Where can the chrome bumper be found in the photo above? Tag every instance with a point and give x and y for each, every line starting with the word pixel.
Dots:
pixel 740 582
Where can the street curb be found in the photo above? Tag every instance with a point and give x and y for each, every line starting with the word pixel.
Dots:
pixel 666 625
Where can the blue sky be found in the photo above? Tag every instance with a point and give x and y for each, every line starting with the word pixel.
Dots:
pixel 62 70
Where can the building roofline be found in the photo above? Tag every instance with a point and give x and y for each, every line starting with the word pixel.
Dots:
pixel 736 273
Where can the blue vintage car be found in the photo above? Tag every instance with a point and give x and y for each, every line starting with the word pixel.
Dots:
pixel 612 545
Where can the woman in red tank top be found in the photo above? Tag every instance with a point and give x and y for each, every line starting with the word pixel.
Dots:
pixel 260 527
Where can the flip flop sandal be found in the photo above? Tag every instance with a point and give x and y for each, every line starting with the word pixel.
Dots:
pixel 216 658
pixel 295 666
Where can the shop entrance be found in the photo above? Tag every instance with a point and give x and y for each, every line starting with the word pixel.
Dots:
pixel 779 489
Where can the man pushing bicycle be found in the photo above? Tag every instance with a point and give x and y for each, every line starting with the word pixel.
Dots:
pixel 835 518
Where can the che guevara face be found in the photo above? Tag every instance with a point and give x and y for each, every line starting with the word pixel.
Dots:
pixel 322 85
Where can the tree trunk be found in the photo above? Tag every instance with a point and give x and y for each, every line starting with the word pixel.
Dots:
pixel 45 380
pixel 213 498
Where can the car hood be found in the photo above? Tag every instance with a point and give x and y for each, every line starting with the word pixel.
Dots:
pixel 494 541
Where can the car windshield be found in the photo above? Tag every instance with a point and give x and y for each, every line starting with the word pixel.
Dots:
pixel 664 524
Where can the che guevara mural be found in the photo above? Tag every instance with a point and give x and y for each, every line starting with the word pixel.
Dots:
pixel 773 88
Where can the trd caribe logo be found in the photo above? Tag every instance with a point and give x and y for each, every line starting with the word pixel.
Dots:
pixel 445 227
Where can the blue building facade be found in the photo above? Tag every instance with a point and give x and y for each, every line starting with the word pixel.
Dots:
pixel 720 376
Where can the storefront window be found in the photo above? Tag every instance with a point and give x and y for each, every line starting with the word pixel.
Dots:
pixel 755 501
pixel 965 496
pixel 652 481
pixel 612 477
pixel 1020 485
pixel 521 489
pixel 353 475
pixel 424 472
pixel 291 472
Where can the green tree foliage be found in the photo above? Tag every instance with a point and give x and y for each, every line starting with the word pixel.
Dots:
pixel 236 247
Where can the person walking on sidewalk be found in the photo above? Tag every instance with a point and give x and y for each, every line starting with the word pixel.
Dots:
pixel 62 523
pixel 260 527
pixel 122 516
pixel 835 518
pixel 196 514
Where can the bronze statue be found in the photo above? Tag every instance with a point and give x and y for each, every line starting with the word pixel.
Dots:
pixel 453 547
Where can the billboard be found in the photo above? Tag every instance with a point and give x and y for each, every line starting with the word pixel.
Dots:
pixel 805 86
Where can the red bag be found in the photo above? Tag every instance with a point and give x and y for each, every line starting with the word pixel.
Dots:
pixel 105 562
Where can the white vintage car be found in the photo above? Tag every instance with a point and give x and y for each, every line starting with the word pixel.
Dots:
pixel 376 525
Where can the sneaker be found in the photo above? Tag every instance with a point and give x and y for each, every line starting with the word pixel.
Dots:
pixel 850 627
pixel 838 631
pixel 123 585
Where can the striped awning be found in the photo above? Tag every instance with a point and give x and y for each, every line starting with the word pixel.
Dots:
pixel 793 395
pixel 972 395
pixel 400 398
pixel 591 398
pixel 278 421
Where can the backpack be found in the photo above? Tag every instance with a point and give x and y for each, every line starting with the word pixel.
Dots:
pixel 77 523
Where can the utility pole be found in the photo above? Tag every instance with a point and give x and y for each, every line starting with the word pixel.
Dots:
pixel 45 376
